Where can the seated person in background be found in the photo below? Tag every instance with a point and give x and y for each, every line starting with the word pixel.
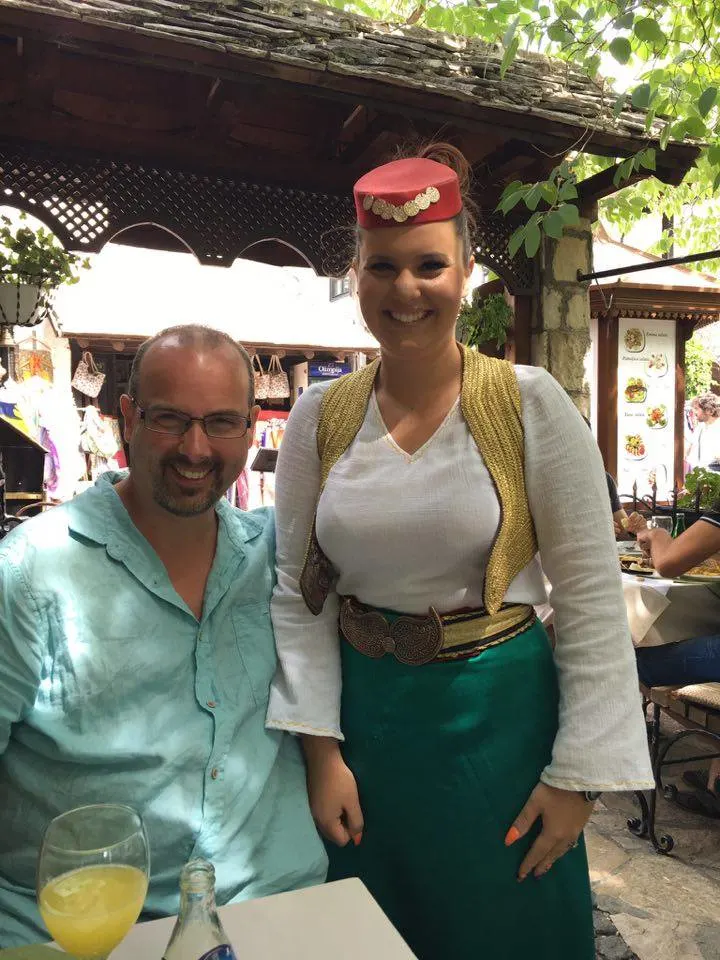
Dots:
pixel 136 651
pixel 689 661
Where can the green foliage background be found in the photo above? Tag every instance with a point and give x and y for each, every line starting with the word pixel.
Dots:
pixel 671 50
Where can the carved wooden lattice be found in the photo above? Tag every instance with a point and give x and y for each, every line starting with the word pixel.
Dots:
pixel 87 200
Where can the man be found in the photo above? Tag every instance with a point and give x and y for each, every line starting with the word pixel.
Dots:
pixel 705 445
pixel 136 651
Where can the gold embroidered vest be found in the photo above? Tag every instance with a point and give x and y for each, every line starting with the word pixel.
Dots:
pixel 490 404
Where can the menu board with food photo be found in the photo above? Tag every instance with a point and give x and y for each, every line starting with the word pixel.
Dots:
pixel 646 405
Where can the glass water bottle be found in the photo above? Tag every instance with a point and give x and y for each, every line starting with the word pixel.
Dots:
pixel 679 524
pixel 198 933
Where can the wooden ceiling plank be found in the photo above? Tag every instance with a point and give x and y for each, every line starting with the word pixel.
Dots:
pixel 171 150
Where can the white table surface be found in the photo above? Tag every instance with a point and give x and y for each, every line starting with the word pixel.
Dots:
pixel 664 611
pixel 335 921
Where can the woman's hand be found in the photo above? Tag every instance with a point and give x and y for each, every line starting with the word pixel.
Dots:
pixel 564 814
pixel 333 793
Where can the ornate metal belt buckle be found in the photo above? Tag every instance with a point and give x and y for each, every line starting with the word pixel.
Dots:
pixel 412 640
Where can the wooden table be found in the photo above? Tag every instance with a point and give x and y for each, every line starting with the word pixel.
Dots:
pixel 336 921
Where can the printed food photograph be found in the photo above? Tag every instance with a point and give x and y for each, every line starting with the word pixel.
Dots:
pixel 635 447
pixel 657 365
pixel 634 340
pixel 656 417
pixel 636 390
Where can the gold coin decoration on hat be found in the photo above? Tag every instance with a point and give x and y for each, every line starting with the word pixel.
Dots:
pixel 411 208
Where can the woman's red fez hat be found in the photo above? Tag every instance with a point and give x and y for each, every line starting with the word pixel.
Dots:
pixel 415 190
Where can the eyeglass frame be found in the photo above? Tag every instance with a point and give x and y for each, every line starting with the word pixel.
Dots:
pixel 143 411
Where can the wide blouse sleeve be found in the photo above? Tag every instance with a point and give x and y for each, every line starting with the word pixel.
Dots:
pixel 305 693
pixel 601 742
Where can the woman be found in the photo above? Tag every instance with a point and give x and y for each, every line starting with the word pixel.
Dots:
pixel 411 499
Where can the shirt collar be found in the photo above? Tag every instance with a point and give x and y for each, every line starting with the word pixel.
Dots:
pixel 100 515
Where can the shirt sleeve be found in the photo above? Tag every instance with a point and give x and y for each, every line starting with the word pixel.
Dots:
pixel 601 743
pixel 711 516
pixel 305 693
pixel 21 629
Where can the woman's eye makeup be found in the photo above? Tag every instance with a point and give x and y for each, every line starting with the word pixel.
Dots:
pixel 430 265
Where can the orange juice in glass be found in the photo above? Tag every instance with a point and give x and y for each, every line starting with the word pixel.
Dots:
pixel 93 877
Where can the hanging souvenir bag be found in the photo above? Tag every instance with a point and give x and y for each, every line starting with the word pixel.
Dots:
pixel 279 385
pixel 87 378
pixel 262 380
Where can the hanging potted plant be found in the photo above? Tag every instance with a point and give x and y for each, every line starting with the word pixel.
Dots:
pixel 33 264
pixel 484 320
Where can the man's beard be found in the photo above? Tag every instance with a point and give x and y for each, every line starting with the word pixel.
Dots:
pixel 187 505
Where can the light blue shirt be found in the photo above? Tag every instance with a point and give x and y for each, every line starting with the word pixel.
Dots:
pixel 112 691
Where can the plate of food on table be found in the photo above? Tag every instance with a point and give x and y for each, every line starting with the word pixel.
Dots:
pixel 636 564
pixel 636 390
pixel 706 572
pixel 634 340
pixel 656 417
pixel 657 365
pixel 635 448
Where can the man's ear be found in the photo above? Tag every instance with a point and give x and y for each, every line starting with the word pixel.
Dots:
pixel 254 414
pixel 130 416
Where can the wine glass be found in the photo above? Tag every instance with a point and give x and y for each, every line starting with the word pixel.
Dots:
pixel 92 877
pixel 660 523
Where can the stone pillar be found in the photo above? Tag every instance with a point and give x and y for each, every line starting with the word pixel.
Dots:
pixel 561 328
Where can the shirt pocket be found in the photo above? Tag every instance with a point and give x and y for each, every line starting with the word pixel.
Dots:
pixel 256 646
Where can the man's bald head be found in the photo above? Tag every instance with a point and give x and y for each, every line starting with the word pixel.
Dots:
pixel 196 336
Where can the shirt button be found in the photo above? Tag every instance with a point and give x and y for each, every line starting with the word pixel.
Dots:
pixel 214 773
pixel 212 704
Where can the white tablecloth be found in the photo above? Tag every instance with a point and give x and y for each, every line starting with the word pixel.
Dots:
pixel 663 611
pixel 337 921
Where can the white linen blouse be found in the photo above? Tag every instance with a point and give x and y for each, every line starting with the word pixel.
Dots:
pixel 407 532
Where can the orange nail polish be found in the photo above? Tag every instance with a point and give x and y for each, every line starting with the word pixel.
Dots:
pixel 357 838
pixel 512 835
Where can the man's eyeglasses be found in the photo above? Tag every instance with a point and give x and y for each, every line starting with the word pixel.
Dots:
pixel 219 426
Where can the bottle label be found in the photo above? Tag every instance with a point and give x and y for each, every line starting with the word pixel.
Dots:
pixel 223 952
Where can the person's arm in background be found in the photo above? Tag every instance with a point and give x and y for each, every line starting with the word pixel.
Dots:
pixel 618 513
pixel 623 524
pixel 674 557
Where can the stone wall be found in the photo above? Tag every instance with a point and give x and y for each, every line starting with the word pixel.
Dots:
pixel 561 328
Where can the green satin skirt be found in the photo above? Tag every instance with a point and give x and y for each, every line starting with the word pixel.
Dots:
pixel 445 756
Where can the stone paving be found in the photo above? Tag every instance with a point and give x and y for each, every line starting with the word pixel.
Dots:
pixel 609 945
pixel 662 907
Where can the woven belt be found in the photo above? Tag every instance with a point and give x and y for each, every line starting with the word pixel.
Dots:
pixel 416 640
